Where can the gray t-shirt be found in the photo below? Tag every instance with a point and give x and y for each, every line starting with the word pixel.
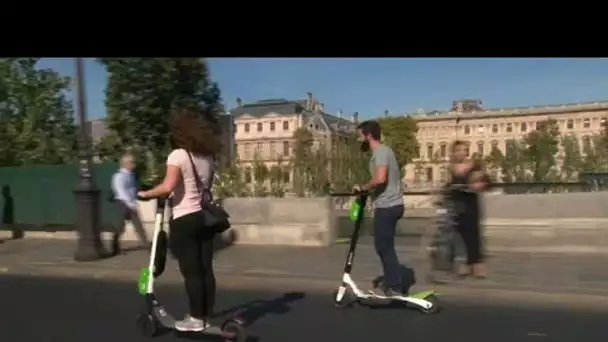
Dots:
pixel 390 194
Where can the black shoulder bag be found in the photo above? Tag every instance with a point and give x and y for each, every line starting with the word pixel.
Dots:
pixel 214 216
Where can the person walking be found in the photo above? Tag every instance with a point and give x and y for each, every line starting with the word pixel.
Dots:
pixel 124 192
pixel 467 181
pixel 189 177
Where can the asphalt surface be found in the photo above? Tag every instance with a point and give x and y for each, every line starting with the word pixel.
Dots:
pixel 74 310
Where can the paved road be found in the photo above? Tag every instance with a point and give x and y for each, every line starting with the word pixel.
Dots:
pixel 37 309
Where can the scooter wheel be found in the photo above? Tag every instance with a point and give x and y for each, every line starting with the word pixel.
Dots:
pixel 347 300
pixel 236 330
pixel 435 308
pixel 147 325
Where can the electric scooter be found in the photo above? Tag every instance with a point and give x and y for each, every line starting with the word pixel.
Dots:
pixel 155 319
pixel 348 292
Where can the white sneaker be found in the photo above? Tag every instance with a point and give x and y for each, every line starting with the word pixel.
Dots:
pixel 190 323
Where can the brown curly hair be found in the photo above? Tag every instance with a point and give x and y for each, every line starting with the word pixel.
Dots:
pixel 192 132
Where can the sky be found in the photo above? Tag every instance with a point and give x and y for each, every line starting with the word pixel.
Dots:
pixel 370 86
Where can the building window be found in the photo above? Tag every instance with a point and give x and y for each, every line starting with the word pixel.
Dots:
pixel 494 145
pixel 246 128
pixel 570 124
pixel 260 127
pixel 443 150
pixel 468 148
pixel 429 174
pixel 586 123
pixel 272 126
pixel 285 125
pixel 494 128
pixel 603 122
pixel 258 149
pixel 286 147
pixel 442 174
pixel 273 149
pixel 480 129
pixel 523 127
pixel 429 151
pixel 480 148
pixel 467 129
pixel 509 128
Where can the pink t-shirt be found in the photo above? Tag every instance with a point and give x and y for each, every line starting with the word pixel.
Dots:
pixel 186 197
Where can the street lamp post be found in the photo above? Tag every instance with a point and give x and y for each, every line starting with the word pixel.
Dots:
pixel 86 194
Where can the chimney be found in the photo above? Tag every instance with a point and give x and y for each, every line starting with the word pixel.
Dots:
pixel 239 102
pixel 386 112
pixel 309 101
pixel 321 107
pixel 340 113
pixel 356 117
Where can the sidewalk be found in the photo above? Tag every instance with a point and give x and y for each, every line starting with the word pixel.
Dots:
pixel 546 272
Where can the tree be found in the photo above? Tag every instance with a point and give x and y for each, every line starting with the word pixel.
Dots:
pixel 277 179
pixel 140 96
pixel 229 180
pixel 595 154
pixel 493 162
pixel 260 175
pixel 348 165
pixel 36 119
pixel 399 132
pixel 418 172
pixel 302 159
pixel 515 164
pixel 572 160
pixel 541 146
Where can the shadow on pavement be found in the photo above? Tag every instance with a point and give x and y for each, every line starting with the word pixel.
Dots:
pixel 252 311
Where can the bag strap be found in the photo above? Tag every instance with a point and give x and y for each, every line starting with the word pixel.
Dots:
pixel 197 179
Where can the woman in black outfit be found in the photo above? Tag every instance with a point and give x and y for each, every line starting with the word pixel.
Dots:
pixel 467 206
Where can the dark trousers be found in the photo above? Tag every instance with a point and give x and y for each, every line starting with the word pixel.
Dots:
pixel 128 214
pixel 192 246
pixel 469 228
pixel 385 225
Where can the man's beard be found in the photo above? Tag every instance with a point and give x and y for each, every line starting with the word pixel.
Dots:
pixel 365 146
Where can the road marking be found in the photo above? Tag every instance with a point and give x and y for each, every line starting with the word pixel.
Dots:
pixel 4 269
pixel 537 334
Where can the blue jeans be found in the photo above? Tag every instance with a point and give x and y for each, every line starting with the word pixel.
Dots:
pixel 385 225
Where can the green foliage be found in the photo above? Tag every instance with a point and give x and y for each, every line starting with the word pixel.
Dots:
pixel 302 160
pixel 595 154
pixel 515 164
pixel 494 162
pixel 260 175
pixel 140 96
pixel 276 177
pixel 399 132
pixel 36 119
pixel 348 166
pixel 541 147
pixel 328 165
pixel 229 181
pixel 572 161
